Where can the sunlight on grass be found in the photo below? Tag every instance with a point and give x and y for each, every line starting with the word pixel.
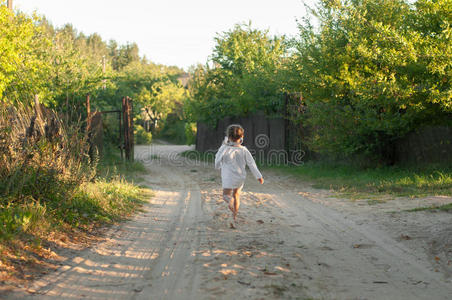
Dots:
pixel 354 182
pixel 48 205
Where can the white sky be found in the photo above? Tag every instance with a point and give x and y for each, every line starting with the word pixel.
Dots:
pixel 170 32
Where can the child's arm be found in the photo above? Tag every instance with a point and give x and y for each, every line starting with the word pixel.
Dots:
pixel 252 165
pixel 219 156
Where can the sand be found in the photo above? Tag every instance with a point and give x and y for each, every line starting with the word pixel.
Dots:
pixel 291 242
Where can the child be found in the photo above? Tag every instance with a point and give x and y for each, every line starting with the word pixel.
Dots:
pixel 232 159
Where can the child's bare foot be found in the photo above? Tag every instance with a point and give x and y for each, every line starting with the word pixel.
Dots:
pixel 232 225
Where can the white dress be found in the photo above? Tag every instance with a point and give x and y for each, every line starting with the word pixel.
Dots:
pixel 232 159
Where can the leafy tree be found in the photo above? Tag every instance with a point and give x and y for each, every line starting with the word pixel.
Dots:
pixel 74 75
pixel 24 64
pixel 123 55
pixel 375 70
pixel 244 77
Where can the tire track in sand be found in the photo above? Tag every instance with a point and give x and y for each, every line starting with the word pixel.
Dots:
pixel 142 258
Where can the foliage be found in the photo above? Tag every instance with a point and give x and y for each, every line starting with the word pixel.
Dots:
pixel 43 161
pixel 151 87
pixel 244 77
pixel 190 133
pixel 74 72
pixel 141 136
pixel 38 150
pixel 24 63
pixel 62 66
pixel 49 186
pixel 370 72
pixel 174 129
pixel 375 70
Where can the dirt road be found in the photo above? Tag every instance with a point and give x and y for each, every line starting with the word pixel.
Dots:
pixel 292 242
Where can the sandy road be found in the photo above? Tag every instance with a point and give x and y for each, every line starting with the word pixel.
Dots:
pixel 292 242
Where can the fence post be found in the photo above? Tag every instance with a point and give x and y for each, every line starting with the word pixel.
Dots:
pixel 125 127
pixel 131 142
pixel 121 148
pixel 88 112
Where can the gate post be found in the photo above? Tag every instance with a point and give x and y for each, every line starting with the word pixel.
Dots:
pixel 121 146
pixel 128 127
pixel 125 127
pixel 131 140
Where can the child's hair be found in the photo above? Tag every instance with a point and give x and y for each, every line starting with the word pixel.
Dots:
pixel 235 132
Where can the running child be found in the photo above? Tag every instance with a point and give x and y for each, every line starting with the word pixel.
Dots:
pixel 232 159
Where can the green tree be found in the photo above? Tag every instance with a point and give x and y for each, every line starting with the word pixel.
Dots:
pixel 373 71
pixel 244 77
pixel 74 75
pixel 24 63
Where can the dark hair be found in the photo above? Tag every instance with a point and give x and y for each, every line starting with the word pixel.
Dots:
pixel 235 132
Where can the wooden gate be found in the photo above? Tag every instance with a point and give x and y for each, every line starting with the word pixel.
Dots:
pixel 125 125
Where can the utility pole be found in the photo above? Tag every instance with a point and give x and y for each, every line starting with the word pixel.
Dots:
pixel 10 4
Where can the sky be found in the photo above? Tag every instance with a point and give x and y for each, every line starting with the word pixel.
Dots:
pixel 170 32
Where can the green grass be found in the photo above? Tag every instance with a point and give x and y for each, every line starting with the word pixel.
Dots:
pixel 111 166
pixel 357 183
pixel 354 182
pixel 46 202
pixel 30 219
pixel 446 208
pixel 52 187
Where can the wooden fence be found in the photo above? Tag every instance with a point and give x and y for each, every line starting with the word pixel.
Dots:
pixel 266 136
pixel 262 134
pixel 432 144
pixel 270 138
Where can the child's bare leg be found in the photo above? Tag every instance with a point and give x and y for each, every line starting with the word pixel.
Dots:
pixel 236 199
pixel 227 197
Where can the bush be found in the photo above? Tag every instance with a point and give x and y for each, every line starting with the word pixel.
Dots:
pixel 173 129
pixel 190 133
pixel 43 162
pixel 375 70
pixel 246 77
pixel 370 72
pixel 41 155
pixel 142 137
pixel 49 189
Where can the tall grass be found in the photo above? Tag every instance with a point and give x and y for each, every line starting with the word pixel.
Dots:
pixel 50 184
pixel 43 161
